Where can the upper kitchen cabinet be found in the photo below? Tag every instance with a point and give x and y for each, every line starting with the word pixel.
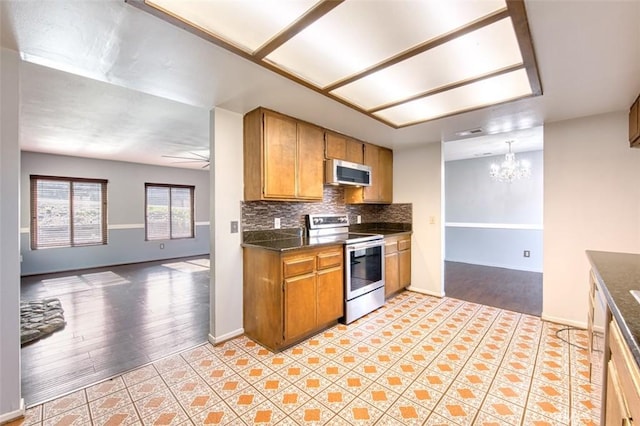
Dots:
pixel 634 124
pixel 343 148
pixel 283 158
pixel 381 190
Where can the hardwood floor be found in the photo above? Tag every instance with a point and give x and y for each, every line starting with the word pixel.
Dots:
pixel 518 291
pixel 118 318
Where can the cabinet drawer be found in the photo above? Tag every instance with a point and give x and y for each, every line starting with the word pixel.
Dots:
pixel 298 266
pixel 404 244
pixel 329 259
pixel 390 247
pixel 628 372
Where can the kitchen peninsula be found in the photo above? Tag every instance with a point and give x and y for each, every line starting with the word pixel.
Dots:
pixel 294 285
pixel 615 275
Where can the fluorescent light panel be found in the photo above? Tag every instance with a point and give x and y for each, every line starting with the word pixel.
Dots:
pixel 342 42
pixel 247 24
pixel 471 55
pixel 491 91
pixel 356 35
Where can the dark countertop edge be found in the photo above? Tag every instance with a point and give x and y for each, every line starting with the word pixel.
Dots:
pixel 286 248
pixel 393 233
pixel 628 336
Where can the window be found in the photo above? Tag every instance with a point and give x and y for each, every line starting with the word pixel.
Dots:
pixel 68 212
pixel 169 211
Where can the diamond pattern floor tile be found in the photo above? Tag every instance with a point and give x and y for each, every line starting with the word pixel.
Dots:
pixel 418 360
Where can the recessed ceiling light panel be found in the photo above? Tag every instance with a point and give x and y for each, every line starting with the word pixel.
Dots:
pixel 479 53
pixel 247 24
pixel 359 34
pixel 491 91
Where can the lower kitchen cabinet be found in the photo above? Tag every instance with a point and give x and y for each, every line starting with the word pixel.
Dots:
pixel 290 295
pixel 397 263
pixel 623 382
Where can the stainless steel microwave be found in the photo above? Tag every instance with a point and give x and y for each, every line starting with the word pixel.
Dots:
pixel 340 172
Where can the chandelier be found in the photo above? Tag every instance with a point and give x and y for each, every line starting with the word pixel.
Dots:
pixel 510 169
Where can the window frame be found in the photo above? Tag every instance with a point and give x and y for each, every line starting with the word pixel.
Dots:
pixel 33 198
pixel 170 186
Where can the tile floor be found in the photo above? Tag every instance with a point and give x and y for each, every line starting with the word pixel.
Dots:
pixel 418 360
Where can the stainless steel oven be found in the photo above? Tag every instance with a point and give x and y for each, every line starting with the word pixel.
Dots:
pixel 364 262
pixel 364 277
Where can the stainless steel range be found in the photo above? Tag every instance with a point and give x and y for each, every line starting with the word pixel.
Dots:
pixel 364 262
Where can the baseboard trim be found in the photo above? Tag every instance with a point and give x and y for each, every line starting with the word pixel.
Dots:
pixel 564 321
pixel 228 336
pixel 423 291
pixel 13 415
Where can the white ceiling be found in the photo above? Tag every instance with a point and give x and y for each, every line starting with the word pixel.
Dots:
pixel 531 139
pixel 136 87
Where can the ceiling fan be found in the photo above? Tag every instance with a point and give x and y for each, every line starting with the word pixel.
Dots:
pixel 192 157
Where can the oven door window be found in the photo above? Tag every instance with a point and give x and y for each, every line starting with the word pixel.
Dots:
pixel 366 267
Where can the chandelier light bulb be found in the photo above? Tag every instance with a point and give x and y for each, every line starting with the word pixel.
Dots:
pixel 510 169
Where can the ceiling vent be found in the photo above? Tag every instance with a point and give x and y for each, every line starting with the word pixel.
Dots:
pixel 470 132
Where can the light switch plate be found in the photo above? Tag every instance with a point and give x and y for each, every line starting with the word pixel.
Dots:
pixel 234 226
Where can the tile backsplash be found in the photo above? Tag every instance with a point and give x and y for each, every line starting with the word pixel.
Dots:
pixel 260 215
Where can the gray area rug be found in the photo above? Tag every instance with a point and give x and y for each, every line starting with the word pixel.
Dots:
pixel 39 318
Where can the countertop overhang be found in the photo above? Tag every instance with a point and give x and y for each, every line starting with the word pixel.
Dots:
pixel 617 274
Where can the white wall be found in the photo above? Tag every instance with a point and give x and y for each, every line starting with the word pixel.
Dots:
pixel 591 202
pixel 492 223
pixel 125 213
pixel 11 404
pixel 417 179
pixel 227 184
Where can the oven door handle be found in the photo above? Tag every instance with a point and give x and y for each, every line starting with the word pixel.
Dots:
pixel 365 245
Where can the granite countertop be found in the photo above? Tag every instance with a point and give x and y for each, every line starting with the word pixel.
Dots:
pixel 617 273
pixel 287 244
pixel 294 238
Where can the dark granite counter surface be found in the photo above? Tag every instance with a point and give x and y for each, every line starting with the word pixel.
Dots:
pixel 282 240
pixel 382 228
pixel 295 239
pixel 617 273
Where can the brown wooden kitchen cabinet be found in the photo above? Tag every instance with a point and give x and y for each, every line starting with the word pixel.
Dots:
pixel 397 263
pixel 623 382
pixel 290 295
pixel 381 190
pixel 283 158
pixel 634 123
pixel 342 147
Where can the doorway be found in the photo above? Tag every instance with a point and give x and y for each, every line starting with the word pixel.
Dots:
pixel 493 227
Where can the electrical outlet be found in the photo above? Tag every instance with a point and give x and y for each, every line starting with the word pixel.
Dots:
pixel 358 219
pixel 432 220
pixel 527 253
pixel 234 226
pixel 161 246
pixel 276 223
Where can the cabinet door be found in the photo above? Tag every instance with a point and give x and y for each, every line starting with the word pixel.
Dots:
pixel 634 123
pixel 353 151
pixel 391 276
pixel 330 300
pixel 371 158
pixel 299 306
pixel 385 166
pixel 616 409
pixel 310 162
pixel 335 146
pixel 404 268
pixel 280 134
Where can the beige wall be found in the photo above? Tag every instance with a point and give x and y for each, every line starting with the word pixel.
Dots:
pixel 11 404
pixel 417 179
pixel 591 202
pixel 225 295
